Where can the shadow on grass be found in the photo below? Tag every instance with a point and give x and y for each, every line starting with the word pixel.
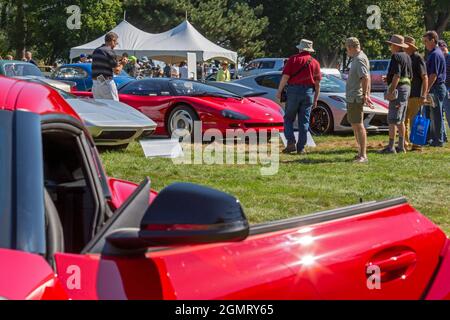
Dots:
pixel 307 160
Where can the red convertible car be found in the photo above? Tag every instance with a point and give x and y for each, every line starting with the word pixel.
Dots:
pixel 176 104
pixel 67 231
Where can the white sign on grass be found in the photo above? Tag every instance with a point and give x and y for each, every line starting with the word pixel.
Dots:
pixel 165 148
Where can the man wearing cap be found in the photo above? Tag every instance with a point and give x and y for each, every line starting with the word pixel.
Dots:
pixel 436 70
pixel 83 58
pixel 357 94
pixel 419 86
pixel 104 64
pixel 302 76
pixel 223 75
pixel 398 78
pixel 443 45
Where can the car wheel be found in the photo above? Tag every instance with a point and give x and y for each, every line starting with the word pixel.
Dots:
pixel 181 122
pixel 321 120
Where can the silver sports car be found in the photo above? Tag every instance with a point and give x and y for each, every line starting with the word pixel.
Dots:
pixel 331 112
pixel 112 124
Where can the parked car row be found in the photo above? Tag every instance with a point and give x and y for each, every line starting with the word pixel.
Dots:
pixel 61 214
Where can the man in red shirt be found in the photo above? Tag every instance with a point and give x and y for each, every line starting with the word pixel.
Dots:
pixel 302 75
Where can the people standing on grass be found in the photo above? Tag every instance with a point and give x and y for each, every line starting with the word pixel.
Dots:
pixel 398 78
pixel 302 76
pixel 436 69
pixel 419 86
pixel 357 94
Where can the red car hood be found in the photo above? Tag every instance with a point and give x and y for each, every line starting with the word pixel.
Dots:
pixel 256 108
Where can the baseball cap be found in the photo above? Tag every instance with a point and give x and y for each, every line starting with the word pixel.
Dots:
pixel 441 43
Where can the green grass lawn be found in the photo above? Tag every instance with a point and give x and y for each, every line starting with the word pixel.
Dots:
pixel 325 178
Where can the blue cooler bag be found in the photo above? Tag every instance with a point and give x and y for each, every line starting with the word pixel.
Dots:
pixel 419 130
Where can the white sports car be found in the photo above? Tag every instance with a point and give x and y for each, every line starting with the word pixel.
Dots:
pixel 331 112
pixel 112 124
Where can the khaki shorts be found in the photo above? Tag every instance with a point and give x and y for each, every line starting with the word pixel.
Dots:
pixel 355 113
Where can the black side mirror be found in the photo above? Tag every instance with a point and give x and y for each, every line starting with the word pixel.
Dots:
pixel 186 214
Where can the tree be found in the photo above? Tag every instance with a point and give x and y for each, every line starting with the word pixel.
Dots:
pixel 329 22
pixel 436 15
pixel 42 27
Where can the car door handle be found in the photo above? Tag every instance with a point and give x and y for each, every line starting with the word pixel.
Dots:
pixel 394 264
pixel 400 261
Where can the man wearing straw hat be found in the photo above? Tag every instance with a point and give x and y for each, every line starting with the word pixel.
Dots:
pixel 302 75
pixel 398 79
pixel 419 86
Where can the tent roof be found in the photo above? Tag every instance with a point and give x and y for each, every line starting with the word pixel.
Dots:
pixel 170 46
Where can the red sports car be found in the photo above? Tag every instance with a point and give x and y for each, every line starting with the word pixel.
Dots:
pixel 67 231
pixel 176 104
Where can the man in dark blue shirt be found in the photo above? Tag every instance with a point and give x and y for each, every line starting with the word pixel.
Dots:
pixel 444 48
pixel 436 70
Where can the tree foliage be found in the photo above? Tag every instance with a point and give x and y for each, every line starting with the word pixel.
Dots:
pixel 254 28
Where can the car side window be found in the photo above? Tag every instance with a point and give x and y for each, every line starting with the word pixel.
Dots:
pixel 146 88
pixel 271 81
pixel 267 65
pixel 70 73
pixel 252 65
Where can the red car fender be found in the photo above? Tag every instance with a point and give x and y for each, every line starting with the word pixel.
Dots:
pixel 440 288
pixel 121 190
pixel 28 276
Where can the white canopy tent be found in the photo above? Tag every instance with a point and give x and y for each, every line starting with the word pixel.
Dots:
pixel 171 46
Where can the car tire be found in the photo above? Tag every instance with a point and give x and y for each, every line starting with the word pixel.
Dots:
pixel 182 118
pixel 321 121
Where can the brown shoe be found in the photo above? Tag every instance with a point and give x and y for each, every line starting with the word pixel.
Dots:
pixel 416 148
pixel 291 148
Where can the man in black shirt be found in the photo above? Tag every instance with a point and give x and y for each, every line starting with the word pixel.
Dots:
pixel 419 86
pixel 104 64
pixel 399 86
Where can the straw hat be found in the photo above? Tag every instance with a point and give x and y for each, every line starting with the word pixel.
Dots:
pixel 397 40
pixel 411 42
pixel 305 45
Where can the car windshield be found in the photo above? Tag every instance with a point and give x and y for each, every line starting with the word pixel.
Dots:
pixel 192 88
pixel 330 83
pixel 21 69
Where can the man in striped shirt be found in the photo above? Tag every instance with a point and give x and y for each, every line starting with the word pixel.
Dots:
pixel 104 64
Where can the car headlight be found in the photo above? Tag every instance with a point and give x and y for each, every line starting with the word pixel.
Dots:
pixel 234 115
